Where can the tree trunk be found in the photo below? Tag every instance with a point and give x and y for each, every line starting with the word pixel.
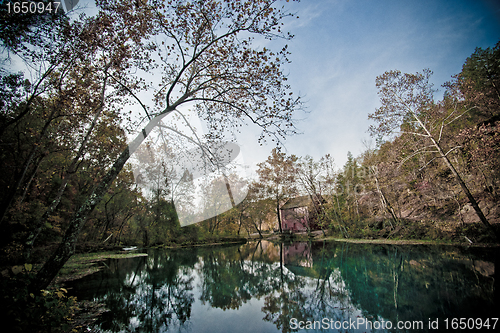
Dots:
pixel 340 221
pixel 240 221
pixel 32 176
pixel 258 230
pixel 279 215
pixel 4 207
pixel 67 246
pixel 464 187
pixel 71 170
pixel 385 203
pixel 145 238
pixel 9 197
pixel 30 241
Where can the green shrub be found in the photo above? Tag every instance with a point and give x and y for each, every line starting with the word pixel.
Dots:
pixel 22 311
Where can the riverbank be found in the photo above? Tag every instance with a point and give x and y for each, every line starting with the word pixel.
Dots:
pixel 80 265
pixel 89 312
pixel 205 243
pixel 407 233
pixel 318 235
pixel 408 242
pixel 84 264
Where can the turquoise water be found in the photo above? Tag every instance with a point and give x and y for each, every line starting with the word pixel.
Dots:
pixel 309 287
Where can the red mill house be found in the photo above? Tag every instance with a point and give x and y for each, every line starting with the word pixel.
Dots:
pixel 295 214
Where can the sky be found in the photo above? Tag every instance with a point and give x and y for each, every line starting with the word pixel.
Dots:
pixel 341 46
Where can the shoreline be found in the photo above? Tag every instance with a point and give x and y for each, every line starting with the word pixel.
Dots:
pixel 83 264
pixel 89 311
pixel 406 242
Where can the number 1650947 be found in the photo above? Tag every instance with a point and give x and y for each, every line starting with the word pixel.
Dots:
pixel 470 323
pixel 32 7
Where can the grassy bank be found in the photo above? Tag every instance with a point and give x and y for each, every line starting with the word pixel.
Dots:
pixel 405 232
pixel 80 265
pixel 207 241
pixel 417 232
pixel 407 242
pixel 409 232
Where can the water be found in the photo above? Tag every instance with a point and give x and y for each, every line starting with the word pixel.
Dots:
pixel 321 287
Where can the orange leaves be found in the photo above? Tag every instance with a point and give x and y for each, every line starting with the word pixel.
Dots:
pixel 205 57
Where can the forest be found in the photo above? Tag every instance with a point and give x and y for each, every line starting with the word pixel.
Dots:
pixel 68 182
pixel 400 189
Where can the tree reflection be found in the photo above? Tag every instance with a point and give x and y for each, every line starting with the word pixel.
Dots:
pixel 305 281
pixel 157 295
pixel 310 289
pixel 395 283
pixel 231 278
pixel 288 298
pixel 414 283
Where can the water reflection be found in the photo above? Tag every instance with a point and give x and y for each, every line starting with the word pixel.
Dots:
pixel 270 287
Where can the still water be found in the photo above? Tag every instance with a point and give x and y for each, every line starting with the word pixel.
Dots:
pixel 272 287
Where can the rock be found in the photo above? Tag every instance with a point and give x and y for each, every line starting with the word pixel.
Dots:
pixel 484 267
pixel 466 208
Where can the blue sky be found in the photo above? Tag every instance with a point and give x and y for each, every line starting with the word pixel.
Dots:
pixel 340 46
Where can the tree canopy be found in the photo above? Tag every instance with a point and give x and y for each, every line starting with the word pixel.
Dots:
pixel 92 71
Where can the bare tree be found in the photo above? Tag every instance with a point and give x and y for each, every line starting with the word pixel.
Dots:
pixel 206 59
pixel 277 176
pixel 408 106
